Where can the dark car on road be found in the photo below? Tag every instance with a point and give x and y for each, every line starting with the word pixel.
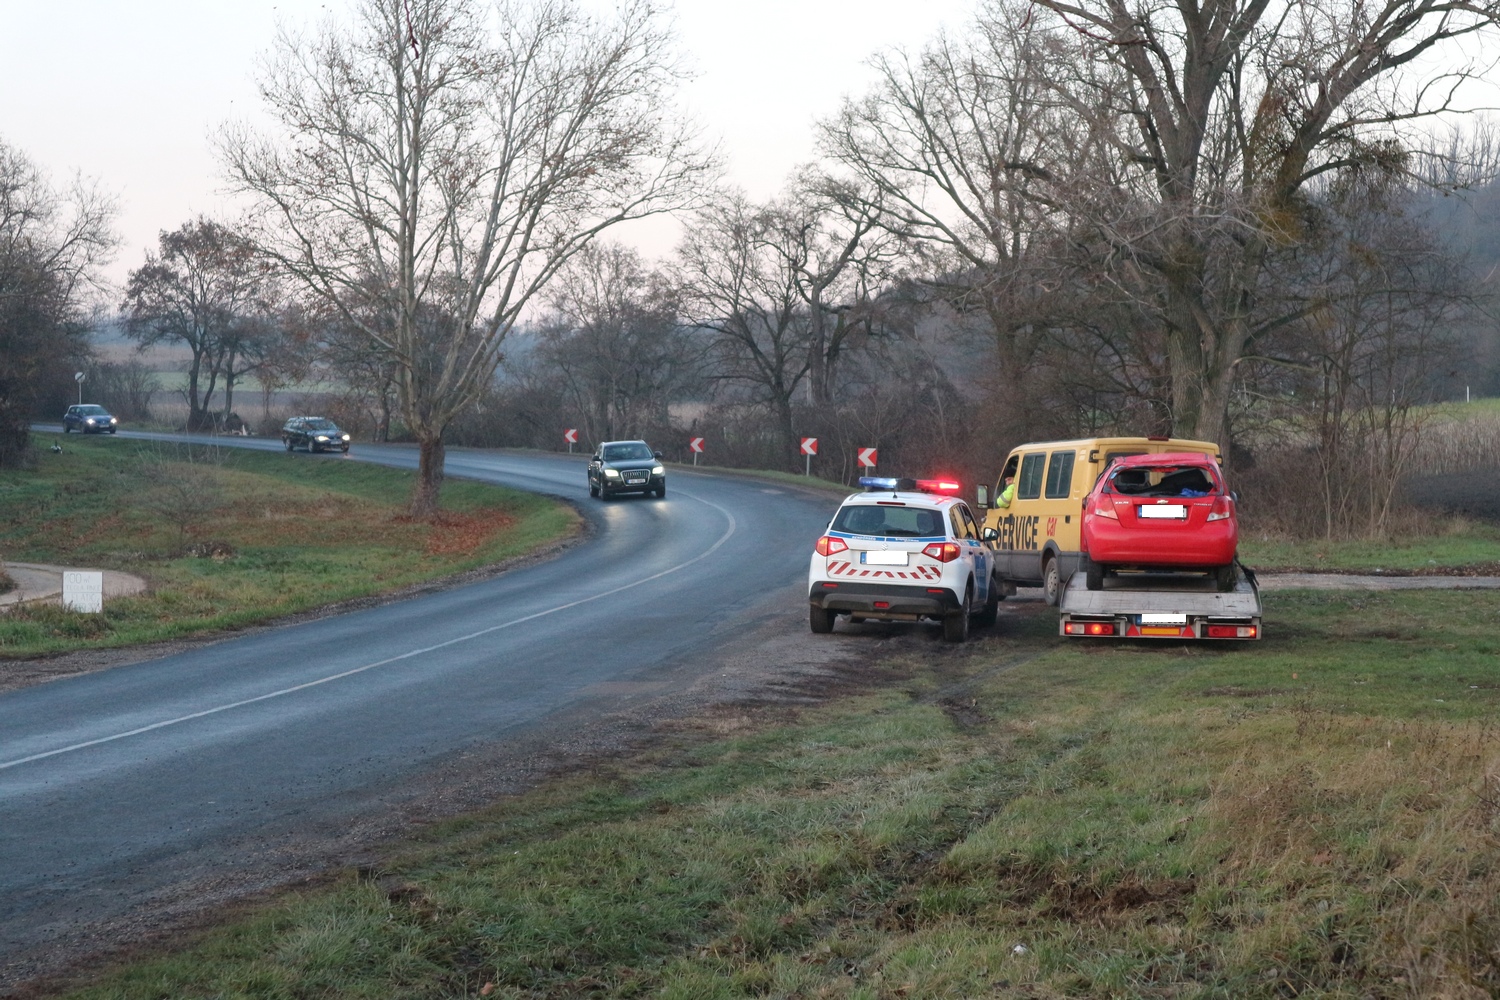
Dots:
pixel 90 419
pixel 626 467
pixel 314 434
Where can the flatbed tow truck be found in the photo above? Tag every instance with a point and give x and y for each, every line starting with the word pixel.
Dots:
pixel 1162 606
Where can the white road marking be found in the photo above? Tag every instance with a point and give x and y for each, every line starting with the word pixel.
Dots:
pixel 733 526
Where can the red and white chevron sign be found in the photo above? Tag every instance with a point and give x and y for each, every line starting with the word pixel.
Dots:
pixel 571 435
pixel 809 446
pixel 867 457
pixel 696 444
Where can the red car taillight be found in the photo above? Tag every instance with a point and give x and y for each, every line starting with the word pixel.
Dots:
pixel 941 551
pixel 1221 509
pixel 828 545
pixel 1105 509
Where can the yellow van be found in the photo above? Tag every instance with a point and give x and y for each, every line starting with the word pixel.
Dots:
pixel 1035 537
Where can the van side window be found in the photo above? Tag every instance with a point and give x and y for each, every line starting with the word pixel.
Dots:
pixel 1029 483
pixel 1110 456
pixel 1060 475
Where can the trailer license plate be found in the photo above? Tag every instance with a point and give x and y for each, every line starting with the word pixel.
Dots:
pixel 883 558
pixel 1166 510
pixel 1161 619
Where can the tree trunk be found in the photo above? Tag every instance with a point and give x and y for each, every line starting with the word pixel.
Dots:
pixel 425 497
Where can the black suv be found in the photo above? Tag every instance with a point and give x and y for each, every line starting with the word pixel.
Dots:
pixel 314 434
pixel 90 419
pixel 626 467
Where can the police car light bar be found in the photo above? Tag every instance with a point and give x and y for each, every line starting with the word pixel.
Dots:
pixel 887 483
pixel 945 486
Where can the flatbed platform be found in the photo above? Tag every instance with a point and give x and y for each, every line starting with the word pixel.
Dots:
pixel 1162 606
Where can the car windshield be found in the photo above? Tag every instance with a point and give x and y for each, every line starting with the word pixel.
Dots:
pixel 1164 481
pixel 899 522
pixel 93 411
pixel 636 452
pixel 319 424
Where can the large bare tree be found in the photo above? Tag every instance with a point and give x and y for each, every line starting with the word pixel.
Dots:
pixel 439 160
pixel 1220 114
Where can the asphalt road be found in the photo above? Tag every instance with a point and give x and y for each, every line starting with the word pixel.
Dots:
pixel 113 784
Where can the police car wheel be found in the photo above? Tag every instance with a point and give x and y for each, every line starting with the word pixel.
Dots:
pixel 988 614
pixel 1051 582
pixel 956 623
pixel 820 619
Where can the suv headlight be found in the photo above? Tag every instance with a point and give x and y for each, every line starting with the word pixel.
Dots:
pixel 657 470
pixel 612 473
pixel 346 437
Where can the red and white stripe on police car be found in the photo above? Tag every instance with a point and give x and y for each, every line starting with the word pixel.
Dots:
pixel 919 572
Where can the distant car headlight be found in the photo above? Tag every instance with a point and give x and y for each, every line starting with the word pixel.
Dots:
pixel 114 420
pixel 346 437
pixel 657 470
pixel 322 437
pixel 90 421
pixel 612 473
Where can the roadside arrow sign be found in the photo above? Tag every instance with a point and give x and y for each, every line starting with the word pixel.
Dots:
pixel 809 446
pixel 571 435
pixel 696 444
pixel 867 457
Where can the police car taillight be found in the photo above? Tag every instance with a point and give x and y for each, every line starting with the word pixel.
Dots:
pixel 943 486
pixel 828 545
pixel 941 551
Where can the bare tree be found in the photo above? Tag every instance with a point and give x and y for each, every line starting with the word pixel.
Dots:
pixel 52 243
pixel 959 144
pixel 1219 115
pixel 459 155
pixel 614 339
pixel 203 289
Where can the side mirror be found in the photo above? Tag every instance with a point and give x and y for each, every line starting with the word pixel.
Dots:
pixel 982 496
pixel 989 534
pixel 657 454
pixel 1234 495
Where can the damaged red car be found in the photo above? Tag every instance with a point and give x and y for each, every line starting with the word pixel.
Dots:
pixel 1161 512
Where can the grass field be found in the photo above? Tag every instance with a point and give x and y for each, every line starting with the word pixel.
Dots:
pixel 1459 544
pixel 227 537
pixel 1316 814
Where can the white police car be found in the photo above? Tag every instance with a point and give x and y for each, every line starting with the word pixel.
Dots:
pixel 903 550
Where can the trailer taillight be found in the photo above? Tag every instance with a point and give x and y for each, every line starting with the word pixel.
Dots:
pixel 1089 628
pixel 1232 631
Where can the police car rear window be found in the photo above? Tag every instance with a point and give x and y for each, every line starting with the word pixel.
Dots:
pixel 897 522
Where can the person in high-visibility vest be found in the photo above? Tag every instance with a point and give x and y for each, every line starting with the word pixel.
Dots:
pixel 1008 494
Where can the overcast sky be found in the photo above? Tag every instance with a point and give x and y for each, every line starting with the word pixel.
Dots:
pixel 128 93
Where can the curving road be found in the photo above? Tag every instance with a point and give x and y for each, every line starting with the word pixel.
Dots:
pixel 119 785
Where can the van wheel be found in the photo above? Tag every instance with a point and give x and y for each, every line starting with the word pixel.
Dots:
pixel 820 619
pixel 1094 576
pixel 1051 582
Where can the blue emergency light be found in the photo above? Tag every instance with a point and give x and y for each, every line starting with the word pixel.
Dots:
pixel 887 483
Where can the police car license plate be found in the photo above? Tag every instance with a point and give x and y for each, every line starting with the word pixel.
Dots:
pixel 883 558
pixel 1165 510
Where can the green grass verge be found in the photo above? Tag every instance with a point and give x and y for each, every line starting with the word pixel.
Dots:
pixel 1461 545
pixel 1316 814
pixel 828 486
pixel 228 537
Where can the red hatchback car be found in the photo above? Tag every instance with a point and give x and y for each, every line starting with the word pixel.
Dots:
pixel 1161 512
